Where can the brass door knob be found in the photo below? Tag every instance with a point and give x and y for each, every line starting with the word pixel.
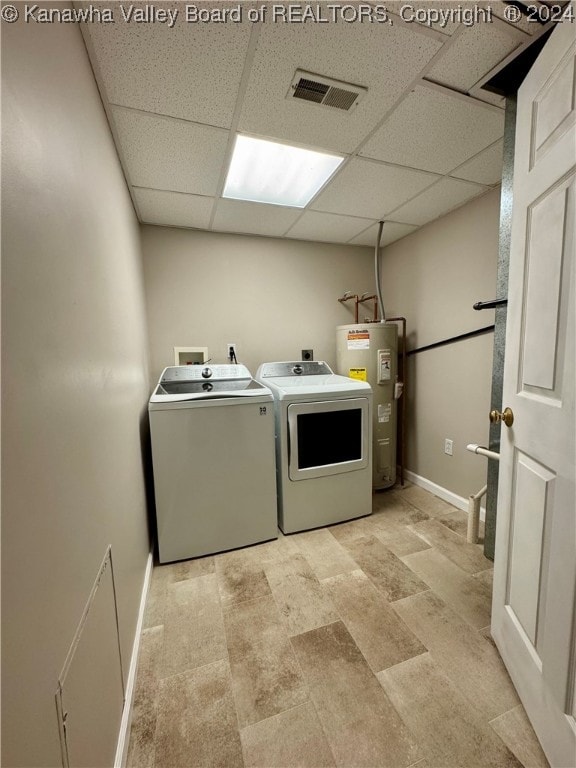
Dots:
pixel 506 416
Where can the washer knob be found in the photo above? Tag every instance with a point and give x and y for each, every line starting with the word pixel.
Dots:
pixel 206 373
pixel 297 370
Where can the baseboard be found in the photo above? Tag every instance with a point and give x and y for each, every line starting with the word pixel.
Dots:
pixel 124 735
pixel 442 493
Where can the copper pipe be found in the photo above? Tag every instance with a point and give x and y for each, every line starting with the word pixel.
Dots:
pixel 402 421
pixel 347 296
pixel 371 297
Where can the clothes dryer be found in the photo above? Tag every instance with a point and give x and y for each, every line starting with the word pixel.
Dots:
pixel 323 444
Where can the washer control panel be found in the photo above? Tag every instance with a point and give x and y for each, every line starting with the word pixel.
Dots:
pixel 204 372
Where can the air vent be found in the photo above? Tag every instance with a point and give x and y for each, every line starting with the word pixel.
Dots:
pixel 325 91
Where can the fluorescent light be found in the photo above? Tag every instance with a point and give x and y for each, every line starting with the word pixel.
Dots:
pixel 267 172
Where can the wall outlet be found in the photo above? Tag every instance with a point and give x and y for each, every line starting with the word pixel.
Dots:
pixel 307 354
pixel 231 347
pixel 448 447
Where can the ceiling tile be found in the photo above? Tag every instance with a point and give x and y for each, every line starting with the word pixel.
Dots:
pixel 485 168
pixel 488 97
pixel 476 51
pixel 254 218
pixel 173 209
pixel 391 232
pixel 327 227
pixel 368 189
pixel 438 200
pixel 191 71
pixel 442 19
pixel 163 153
pixel 383 58
pixel 523 23
pixel 434 131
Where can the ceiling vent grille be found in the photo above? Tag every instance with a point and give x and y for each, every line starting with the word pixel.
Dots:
pixel 325 91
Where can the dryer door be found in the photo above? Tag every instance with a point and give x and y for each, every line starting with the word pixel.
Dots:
pixel 328 437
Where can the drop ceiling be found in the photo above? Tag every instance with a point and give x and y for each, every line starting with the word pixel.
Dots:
pixel 424 139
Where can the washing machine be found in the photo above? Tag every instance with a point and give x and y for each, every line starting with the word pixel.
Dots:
pixel 323 428
pixel 213 456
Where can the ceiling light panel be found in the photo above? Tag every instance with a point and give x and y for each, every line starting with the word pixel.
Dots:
pixel 191 71
pixel 434 131
pixel 382 58
pixel 163 153
pixel 278 174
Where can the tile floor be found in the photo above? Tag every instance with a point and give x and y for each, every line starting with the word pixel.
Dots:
pixel 362 644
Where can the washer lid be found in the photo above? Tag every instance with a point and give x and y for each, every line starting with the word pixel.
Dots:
pixel 203 382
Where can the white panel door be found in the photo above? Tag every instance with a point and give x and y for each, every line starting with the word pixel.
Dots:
pixel 533 613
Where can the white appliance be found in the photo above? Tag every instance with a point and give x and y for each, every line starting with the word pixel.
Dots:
pixel 370 352
pixel 212 435
pixel 323 444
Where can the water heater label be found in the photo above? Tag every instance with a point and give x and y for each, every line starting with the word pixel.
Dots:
pixel 384 412
pixel 358 373
pixel 358 340
pixel 384 366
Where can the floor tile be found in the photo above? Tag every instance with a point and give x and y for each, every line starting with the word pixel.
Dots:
pixel 156 599
pixel 396 537
pixel 361 725
pixel 471 663
pixel 266 678
pixel 194 625
pixel 515 730
pixel 395 507
pixel 240 577
pixel 250 622
pixel 354 529
pixel 456 521
pixel 266 681
pixel 385 570
pixel 327 557
pixel 197 723
pixel 465 594
pixel 299 595
pixel 383 638
pixel 145 705
pixel 235 670
pixel 446 726
pixel 469 557
pixel 486 577
pixel 425 501
pixel 189 569
pixel 293 738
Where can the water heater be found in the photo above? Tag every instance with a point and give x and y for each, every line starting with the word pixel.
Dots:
pixel 370 353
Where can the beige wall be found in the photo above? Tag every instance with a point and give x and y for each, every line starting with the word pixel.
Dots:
pixel 75 378
pixel 433 277
pixel 271 297
pixel 275 297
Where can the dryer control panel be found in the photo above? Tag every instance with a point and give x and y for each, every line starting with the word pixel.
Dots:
pixel 296 368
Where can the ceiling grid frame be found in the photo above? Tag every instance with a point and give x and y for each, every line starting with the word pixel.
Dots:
pixel 446 39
